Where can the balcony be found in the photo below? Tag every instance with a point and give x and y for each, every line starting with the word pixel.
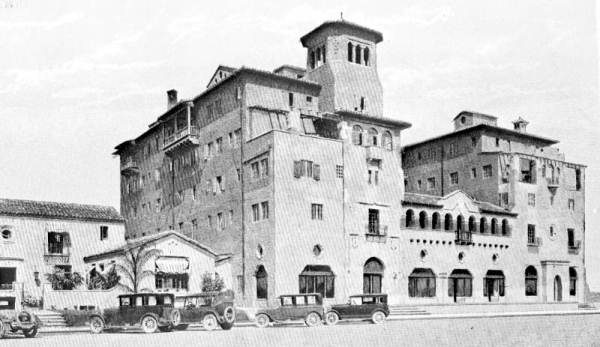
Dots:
pixel 463 237
pixel 181 139
pixel 553 182
pixel 534 242
pixel 130 168
pixel 56 255
pixel 7 286
pixel 376 233
pixel 575 247
pixel 374 153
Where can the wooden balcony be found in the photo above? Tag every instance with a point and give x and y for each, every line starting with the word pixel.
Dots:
pixel 56 255
pixel 575 247
pixel 130 168
pixel 553 183
pixel 181 139
pixel 536 242
pixel 376 233
pixel 374 153
pixel 463 237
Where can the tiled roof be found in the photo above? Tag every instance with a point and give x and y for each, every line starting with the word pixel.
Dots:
pixel 58 210
pixel 421 199
pixel 491 208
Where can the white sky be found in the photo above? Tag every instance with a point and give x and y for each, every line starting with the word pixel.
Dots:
pixel 75 80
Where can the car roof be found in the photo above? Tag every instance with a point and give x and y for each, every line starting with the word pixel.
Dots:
pixel 145 294
pixel 367 295
pixel 300 294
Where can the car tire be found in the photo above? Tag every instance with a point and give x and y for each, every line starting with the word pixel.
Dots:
pixel 312 319
pixel 181 326
pixel 229 314
pixel 96 325
pixel 175 317
pixel 30 333
pixel 378 317
pixel 332 318
pixel 262 320
pixel 1 329
pixel 149 324
pixel 210 322
pixel 226 325
pixel 166 329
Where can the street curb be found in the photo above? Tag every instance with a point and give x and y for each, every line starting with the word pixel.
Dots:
pixel 491 315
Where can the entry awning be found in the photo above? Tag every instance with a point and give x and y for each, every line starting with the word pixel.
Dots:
pixel 460 273
pixel 317 270
pixel 421 272
pixel 172 265
pixel 495 274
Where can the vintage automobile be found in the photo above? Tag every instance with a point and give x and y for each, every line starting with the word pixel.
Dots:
pixel 151 311
pixel 295 307
pixel 212 309
pixel 365 306
pixel 23 321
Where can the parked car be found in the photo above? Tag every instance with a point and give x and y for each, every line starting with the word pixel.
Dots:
pixel 296 307
pixel 23 321
pixel 365 306
pixel 212 309
pixel 149 310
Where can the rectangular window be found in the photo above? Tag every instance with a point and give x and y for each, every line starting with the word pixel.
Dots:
pixel 194 224
pixel 230 217
pixel 578 179
pixel 431 183
pixel 571 237
pixel 158 205
pixel 220 221
pixel 219 145
pixel 218 107
pixel 317 211
pixel 571 204
pixel 211 150
pixel 339 171
pixel 454 178
pixel 531 199
pixel 487 171
pixel 373 176
pixel 503 199
pixel 419 184
pixel 531 234
pixel 373 226
pixel 237 134
pixel 103 232
pixel 497 142
pixel 255 170
pixel 322 284
pixel 309 167
pixel 194 192
pixel 171 281
pixel 255 213
pixel 527 170
pixel 291 99
pixel 231 142
pixel 264 167
pixel 265 209
pixel 473 172
pixel 210 222
pixel 239 174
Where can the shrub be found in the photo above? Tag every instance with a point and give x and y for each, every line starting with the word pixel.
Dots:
pixel 212 284
pixel 62 280
pixel 76 318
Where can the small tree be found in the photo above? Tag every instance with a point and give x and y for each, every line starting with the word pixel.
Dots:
pixel 212 284
pixel 131 267
pixel 62 280
pixel 106 281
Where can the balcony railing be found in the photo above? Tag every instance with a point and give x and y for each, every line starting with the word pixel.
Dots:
pixel 376 233
pixel 463 237
pixel 553 182
pixel 55 254
pixel 374 153
pixel 7 286
pixel 129 168
pixel 534 242
pixel 575 247
pixel 185 136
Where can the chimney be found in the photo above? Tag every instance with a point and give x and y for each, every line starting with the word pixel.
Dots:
pixel 520 125
pixel 171 98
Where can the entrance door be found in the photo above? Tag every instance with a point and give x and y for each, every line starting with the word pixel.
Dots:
pixel 493 289
pixel 372 276
pixel 557 289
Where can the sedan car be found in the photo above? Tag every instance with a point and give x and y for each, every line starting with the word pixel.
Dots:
pixel 365 306
pixel 150 311
pixel 24 321
pixel 212 309
pixel 296 307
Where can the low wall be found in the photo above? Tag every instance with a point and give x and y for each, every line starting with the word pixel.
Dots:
pixel 79 299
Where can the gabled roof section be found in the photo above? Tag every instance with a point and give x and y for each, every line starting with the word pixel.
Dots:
pixel 434 201
pixel 421 200
pixel 221 72
pixel 341 25
pixel 142 241
pixel 362 117
pixel 477 114
pixel 59 210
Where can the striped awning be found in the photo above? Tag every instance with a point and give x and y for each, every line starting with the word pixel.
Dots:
pixel 317 270
pixel 172 265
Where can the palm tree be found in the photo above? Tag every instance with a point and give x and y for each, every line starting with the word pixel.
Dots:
pixel 131 267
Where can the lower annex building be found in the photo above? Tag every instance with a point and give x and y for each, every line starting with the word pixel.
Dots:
pixel 299 176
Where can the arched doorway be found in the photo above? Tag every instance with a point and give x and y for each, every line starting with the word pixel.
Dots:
pixel 262 284
pixel 372 276
pixel 557 289
pixel 460 284
pixel 493 287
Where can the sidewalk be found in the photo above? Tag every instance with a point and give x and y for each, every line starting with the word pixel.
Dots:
pixel 85 329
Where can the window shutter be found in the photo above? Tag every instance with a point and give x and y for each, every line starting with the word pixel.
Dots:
pixel 298 169
pixel 450 287
pixel 411 287
pixel 316 172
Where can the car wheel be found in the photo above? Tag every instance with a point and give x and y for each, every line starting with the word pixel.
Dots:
pixel 149 324
pixel 209 322
pixel 229 314
pixel 332 318
pixel 262 320
pixel 181 327
pixel 1 329
pixel 29 333
pixel 312 319
pixel 378 317
pixel 96 325
pixel 175 317
pixel 166 328
pixel 226 325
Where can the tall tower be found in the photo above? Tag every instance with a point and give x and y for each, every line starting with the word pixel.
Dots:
pixel 342 57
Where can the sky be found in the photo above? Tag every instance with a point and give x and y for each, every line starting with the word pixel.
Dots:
pixel 77 78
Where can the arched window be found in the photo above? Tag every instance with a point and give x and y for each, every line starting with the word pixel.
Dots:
pixel 317 279
pixel 387 140
pixel 505 227
pixel 494 226
pixel 530 281
pixel 373 135
pixel 366 55
pixel 493 284
pixel 372 276
pixel 350 51
pixel 262 286
pixel 357 135
pixel 572 281
pixel 423 219
pixel 472 224
pixel 421 283
pixel 358 54
pixel 435 220
pixel 483 225
pixel 460 283
pixel 460 223
pixel 410 218
pixel 448 222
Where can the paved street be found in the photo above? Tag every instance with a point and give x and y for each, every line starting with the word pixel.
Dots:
pixel 582 330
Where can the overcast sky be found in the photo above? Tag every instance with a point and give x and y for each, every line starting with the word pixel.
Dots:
pixel 75 80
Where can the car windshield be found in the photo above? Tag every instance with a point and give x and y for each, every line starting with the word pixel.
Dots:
pixel 286 300
pixel 355 300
